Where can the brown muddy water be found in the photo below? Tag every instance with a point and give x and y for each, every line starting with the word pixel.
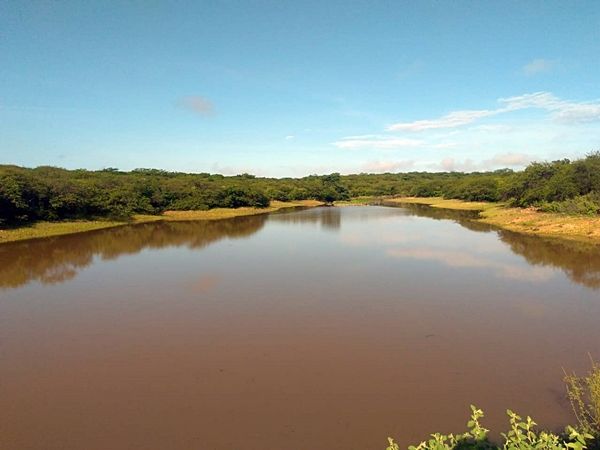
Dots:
pixel 327 328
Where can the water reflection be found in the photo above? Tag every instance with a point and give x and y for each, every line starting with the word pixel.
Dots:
pixel 580 261
pixel 327 217
pixel 58 259
pixel 194 340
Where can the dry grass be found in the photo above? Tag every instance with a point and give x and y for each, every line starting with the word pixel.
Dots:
pixel 226 213
pixel 356 201
pixel 521 220
pixel 438 202
pixel 45 229
pixel 531 221
pixel 48 229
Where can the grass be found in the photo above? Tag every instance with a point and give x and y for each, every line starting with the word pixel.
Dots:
pixel 439 202
pixel 520 220
pixel 364 200
pixel 49 229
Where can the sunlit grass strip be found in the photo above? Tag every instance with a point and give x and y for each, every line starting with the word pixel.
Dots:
pixel 520 220
pixel 226 213
pixel 439 202
pixel 49 229
pixel 364 200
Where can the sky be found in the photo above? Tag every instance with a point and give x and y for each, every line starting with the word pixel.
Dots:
pixel 291 88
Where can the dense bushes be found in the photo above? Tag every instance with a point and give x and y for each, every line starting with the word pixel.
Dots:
pixel 49 193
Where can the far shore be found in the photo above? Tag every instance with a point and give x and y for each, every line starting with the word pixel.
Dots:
pixel 520 220
pixel 49 229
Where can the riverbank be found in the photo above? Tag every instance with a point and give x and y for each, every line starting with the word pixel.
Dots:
pixel 49 229
pixel 520 220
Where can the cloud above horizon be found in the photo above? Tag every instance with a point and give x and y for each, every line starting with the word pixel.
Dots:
pixel 378 142
pixel 562 111
pixel 387 166
pixel 538 65
pixel 521 129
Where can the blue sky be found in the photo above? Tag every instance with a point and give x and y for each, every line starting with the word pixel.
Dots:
pixel 290 88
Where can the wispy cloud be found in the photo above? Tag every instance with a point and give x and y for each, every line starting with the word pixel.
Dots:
pixel 376 142
pixel 198 105
pixel 451 120
pixel 537 66
pixel 290 137
pixel 563 111
pixel 387 166
pixel 508 160
pixel 501 160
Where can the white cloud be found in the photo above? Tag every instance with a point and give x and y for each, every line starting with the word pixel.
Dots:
pixel 453 165
pixel 387 166
pixel 509 160
pixel 375 142
pixel 578 113
pixel 540 100
pixel 538 65
pixel 451 120
pixel 561 111
pixel 444 145
pixel 498 161
pixel 290 137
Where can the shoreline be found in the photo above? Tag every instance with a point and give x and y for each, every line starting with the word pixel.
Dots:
pixel 40 230
pixel 519 220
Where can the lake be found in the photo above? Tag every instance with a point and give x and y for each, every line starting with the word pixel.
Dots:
pixel 326 328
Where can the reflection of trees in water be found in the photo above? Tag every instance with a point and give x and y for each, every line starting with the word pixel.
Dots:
pixel 462 217
pixel 329 217
pixel 580 261
pixel 58 259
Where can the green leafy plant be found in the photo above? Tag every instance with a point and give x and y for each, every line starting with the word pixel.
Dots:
pixel 584 395
pixel 521 436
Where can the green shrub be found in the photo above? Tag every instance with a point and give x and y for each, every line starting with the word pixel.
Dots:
pixel 584 395
pixel 521 436
pixel 588 205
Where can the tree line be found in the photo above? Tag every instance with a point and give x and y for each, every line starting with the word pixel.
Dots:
pixel 51 193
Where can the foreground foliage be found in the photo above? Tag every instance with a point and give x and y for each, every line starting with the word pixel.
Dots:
pixel 522 435
pixel 584 395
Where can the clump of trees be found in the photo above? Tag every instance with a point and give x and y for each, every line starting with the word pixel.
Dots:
pixel 50 193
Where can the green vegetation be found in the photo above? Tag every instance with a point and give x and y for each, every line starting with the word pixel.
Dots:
pixel 584 395
pixel 521 436
pixel 50 194
pixel 48 229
